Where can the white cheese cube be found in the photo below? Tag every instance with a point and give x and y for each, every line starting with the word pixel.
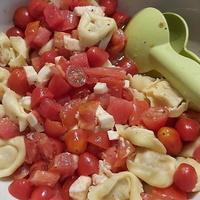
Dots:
pixel 126 84
pixel 26 102
pixel 31 74
pixel 72 44
pixel 105 120
pixel 100 88
pixel 113 135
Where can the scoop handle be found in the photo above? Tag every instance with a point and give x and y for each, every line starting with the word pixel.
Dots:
pixel 183 73
pixel 189 54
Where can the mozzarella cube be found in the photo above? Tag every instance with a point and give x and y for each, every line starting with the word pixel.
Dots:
pixel 26 102
pixel 105 120
pixel 31 74
pixel 100 88
pixel 126 84
pixel 79 189
pixel 113 135
pixel 72 44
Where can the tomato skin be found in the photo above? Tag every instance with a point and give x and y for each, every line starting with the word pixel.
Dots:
pixel 88 164
pixel 76 76
pixel 100 139
pixel 14 31
pixel 42 193
pixel 196 154
pixel 8 129
pixel 76 141
pixel 170 138
pixel 48 57
pixel 38 95
pixel 20 189
pixel 121 19
pixel 18 82
pixel 110 5
pixel 129 66
pixel 79 59
pixel 22 17
pixel 188 128
pixel 155 117
pixel 185 177
pixel 97 56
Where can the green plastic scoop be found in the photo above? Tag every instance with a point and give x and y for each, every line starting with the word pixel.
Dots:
pixel 149 46
pixel 179 33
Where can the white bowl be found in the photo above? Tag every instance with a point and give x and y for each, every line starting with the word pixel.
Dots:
pixel 189 10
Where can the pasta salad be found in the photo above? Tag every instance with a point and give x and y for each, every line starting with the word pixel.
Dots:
pixel 77 119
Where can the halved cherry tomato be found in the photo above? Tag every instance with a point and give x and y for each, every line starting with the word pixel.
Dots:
pixel 155 117
pixel 38 95
pixel 42 193
pixel 14 31
pixel 8 129
pixel 22 17
pixel 97 56
pixel 110 5
pixel 129 66
pixel 21 189
pixel 100 139
pixel 88 164
pixel 170 139
pixel 188 128
pixel 76 141
pixel 185 177
pixel 76 76
pixel 17 81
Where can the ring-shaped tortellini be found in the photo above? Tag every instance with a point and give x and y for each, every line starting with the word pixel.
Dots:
pixel 12 155
pixel 154 168
pixel 196 166
pixel 160 93
pixel 122 185
pixel 93 27
pixel 141 137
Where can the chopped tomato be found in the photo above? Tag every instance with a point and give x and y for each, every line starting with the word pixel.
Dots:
pixel 188 128
pixel 170 138
pixel 42 193
pixel 8 129
pixel 120 109
pixel 36 8
pixel 121 19
pixel 76 141
pixel 54 128
pixel 49 109
pixel 69 111
pixel 155 117
pixel 88 164
pixel 76 76
pixel 110 5
pixel 64 163
pixel 48 57
pixel 21 189
pixel 97 56
pixel 127 94
pixel 22 17
pixel 80 59
pixel 39 165
pixel 17 81
pixel 60 20
pixel 100 139
pixel 87 115
pixel 58 82
pixel 129 66
pixel 112 81
pixel 185 177
pixel 38 95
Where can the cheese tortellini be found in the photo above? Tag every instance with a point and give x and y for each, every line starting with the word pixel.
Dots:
pixel 152 167
pixel 12 155
pixel 160 93
pixel 123 186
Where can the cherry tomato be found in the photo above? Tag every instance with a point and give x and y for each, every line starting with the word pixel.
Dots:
pixel 97 56
pixel 121 19
pixel 42 193
pixel 76 76
pixel 22 17
pixel 155 117
pixel 196 154
pixel 14 31
pixel 185 177
pixel 188 128
pixel 170 139
pixel 110 5
pixel 21 189
pixel 100 139
pixel 18 82
pixel 48 57
pixel 76 141
pixel 129 66
pixel 88 164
